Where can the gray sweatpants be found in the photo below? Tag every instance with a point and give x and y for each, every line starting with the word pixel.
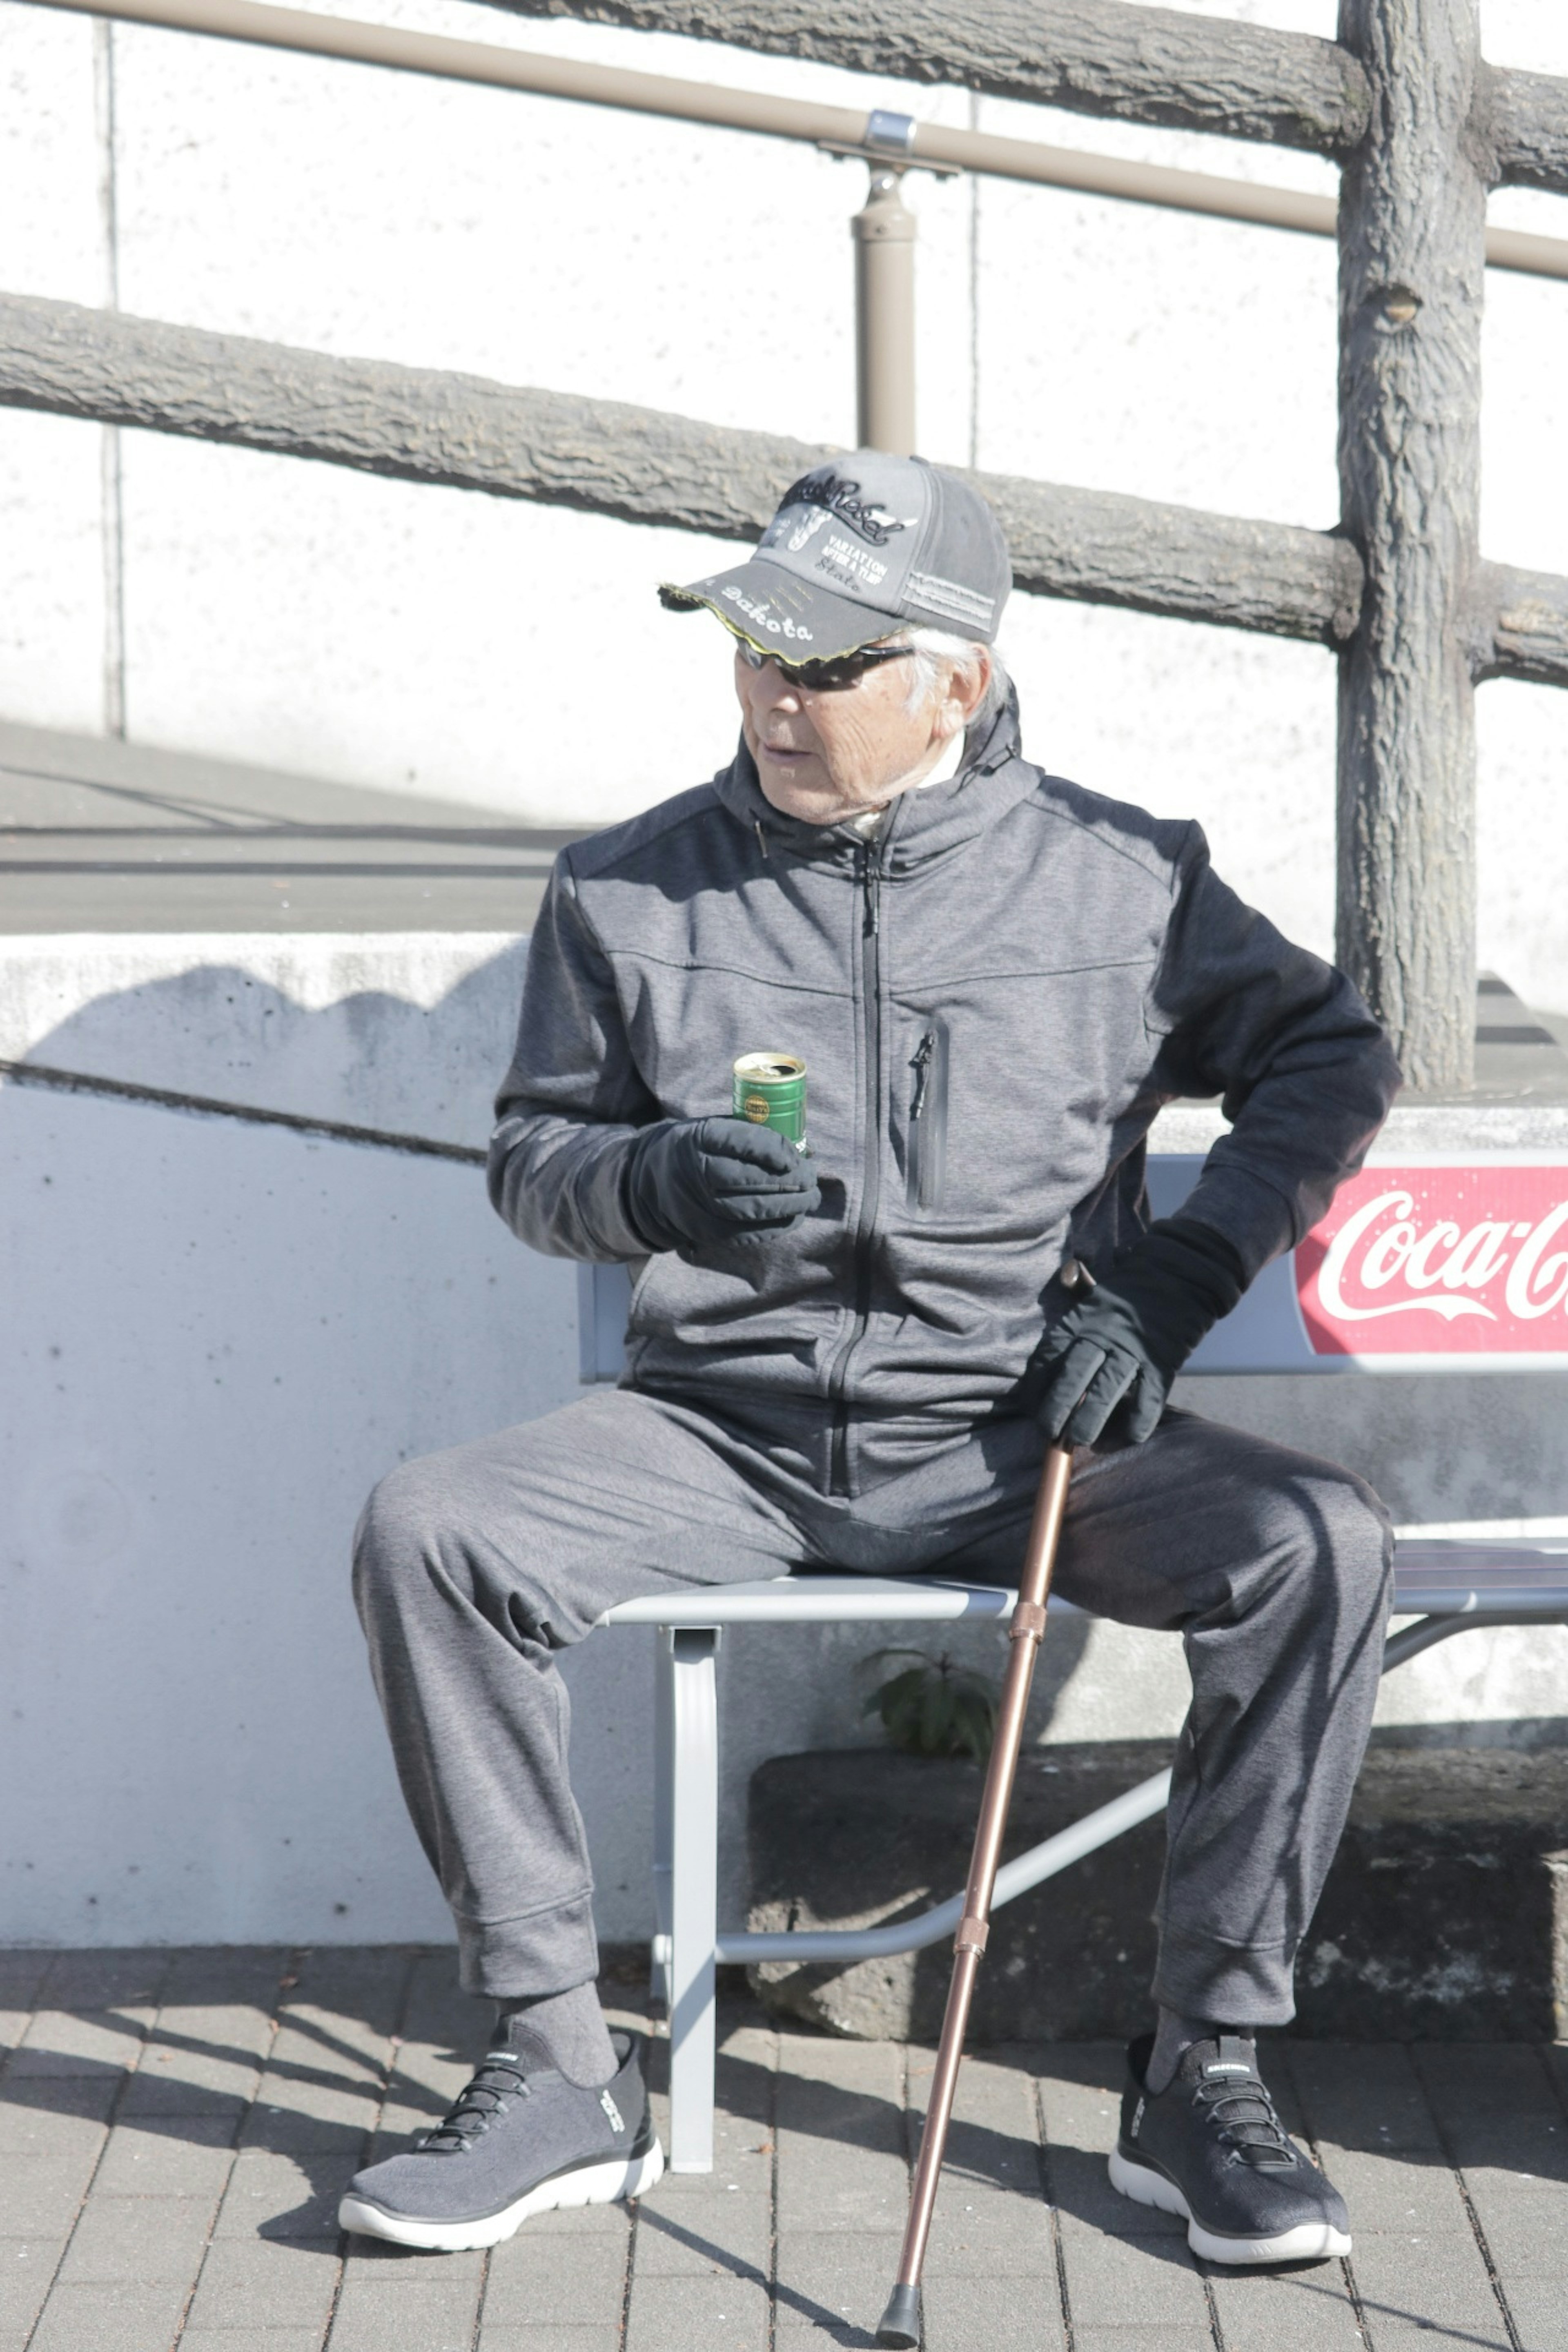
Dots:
pixel 473 1567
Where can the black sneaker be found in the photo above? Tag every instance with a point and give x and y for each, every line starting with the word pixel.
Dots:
pixel 521 2140
pixel 1210 2147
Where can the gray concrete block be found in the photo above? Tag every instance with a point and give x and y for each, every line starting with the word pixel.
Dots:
pixel 573 2283
pixel 1394 2194
pixel 28 2266
pixel 251 2339
pixel 1536 2307
pixel 992 2316
pixel 508 2338
pixel 356 1992
pixel 692 2314
pixel 375 2260
pixel 1159 2338
pixel 286 2196
pixel 104 2318
pixel 1438 2282
pixel 1360 2097
pixel 263 2283
pixel 414 2315
pixel 179 2157
pixel 61 2043
pixel 183 2072
pixel 144 2240
pixel 66 2115
pixel 106 1980
pixel 41 2196
pixel 726 2233
pixel 1287 2311
pixel 1116 2283
pixel 221 1976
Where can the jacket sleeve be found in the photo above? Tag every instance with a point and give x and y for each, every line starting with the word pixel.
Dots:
pixel 573 1105
pixel 1305 1072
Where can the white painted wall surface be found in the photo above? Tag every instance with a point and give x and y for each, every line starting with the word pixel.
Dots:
pixel 219 1334
pixel 432 641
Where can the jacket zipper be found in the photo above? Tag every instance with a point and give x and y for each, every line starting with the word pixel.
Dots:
pixel 871 1061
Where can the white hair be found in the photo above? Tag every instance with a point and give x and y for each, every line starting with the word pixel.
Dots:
pixel 934 649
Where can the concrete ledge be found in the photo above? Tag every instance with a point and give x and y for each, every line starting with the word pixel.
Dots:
pixel 1445 1917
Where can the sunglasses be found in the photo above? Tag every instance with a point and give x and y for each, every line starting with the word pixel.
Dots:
pixel 830 677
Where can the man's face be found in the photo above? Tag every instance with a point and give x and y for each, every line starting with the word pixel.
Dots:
pixel 827 756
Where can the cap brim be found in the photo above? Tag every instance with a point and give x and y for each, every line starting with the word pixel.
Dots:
pixel 781 613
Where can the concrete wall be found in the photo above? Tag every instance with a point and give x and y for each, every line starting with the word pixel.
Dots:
pixel 437 643
pixel 220 1333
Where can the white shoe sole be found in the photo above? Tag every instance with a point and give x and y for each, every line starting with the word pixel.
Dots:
pixel 591 2184
pixel 1309 2241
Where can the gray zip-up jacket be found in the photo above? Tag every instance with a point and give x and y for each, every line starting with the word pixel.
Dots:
pixel 993 999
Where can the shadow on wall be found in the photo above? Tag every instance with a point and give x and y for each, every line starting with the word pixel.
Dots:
pixel 305 1026
pixel 221 1332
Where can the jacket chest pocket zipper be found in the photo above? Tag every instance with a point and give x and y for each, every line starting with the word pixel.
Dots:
pixel 927 1164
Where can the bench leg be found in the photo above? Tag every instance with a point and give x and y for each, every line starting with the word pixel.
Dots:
pixel 660 1994
pixel 694 1892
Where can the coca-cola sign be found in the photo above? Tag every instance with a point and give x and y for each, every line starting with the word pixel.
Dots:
pixel 1440 1260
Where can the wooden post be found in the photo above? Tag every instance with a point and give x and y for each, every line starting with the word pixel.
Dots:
pixel 1412 249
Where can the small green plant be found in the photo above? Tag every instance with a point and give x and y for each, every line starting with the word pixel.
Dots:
pixel 934 1707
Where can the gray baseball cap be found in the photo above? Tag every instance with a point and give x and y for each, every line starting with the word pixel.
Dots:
pixel 860 546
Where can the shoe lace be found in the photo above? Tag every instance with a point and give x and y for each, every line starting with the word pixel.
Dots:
pixel 498 2082
pixel 1242 2114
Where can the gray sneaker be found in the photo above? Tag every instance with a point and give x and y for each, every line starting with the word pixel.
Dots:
pixel 521 2140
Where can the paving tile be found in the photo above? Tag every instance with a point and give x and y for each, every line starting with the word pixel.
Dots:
pixel 412 2315
pixel 1118 2284
pixel 60 2042
pixel 1419 2282
pixel 380 2262
pixel 262 2282
pixel 1287 2311
pixel 59 2114
pixel 251 2339
pixel 1537 2307
pixel 110 2318
pixel 1370 2099
pixel 545 2339
pixel 728 2233
pixel 226 1975
pixel 176 2156
pixel 1527 2244
pixel 1115 2339
pixel 27 2267
pixel 555 2280
pixel 992 2316
pixel 145 2240
pixel 107 1980
pixel 696 2314
pixel 41 2196
pixel 278 2196
pixel 1401 2193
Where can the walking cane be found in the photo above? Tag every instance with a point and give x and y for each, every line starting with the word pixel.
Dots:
pixel 901 2323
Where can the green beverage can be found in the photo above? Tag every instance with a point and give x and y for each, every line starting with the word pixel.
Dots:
pixel 770 1091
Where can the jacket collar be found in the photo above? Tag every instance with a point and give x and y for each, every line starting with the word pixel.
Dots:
pixel 923 826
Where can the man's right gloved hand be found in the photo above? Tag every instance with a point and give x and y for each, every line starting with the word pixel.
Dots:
pixel 699 1180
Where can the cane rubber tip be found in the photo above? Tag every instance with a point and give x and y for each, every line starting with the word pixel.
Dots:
pixel 901 2323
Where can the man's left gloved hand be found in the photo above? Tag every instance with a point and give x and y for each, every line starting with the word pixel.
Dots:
pixel 1114 1355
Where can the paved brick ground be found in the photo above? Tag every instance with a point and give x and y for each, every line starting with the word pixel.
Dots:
pixel 174 2129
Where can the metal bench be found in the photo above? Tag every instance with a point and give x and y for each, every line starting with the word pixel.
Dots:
pixel 1365 1293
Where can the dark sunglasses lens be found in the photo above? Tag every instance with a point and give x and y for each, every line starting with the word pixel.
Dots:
pixel 825 677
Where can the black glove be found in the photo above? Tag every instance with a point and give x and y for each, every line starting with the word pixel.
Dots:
pixel 699 1180
pixel 1114 1355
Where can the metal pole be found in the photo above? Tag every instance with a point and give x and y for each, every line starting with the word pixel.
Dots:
pixel 901 2323
pixel 1411 270
pixel 884 234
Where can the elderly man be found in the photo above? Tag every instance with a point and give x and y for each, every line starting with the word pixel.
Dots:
pixel 853 1358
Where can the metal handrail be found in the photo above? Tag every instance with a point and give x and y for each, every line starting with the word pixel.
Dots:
pixel 879 136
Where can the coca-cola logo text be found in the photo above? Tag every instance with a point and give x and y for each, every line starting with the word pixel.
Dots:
pixel 1440 1260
